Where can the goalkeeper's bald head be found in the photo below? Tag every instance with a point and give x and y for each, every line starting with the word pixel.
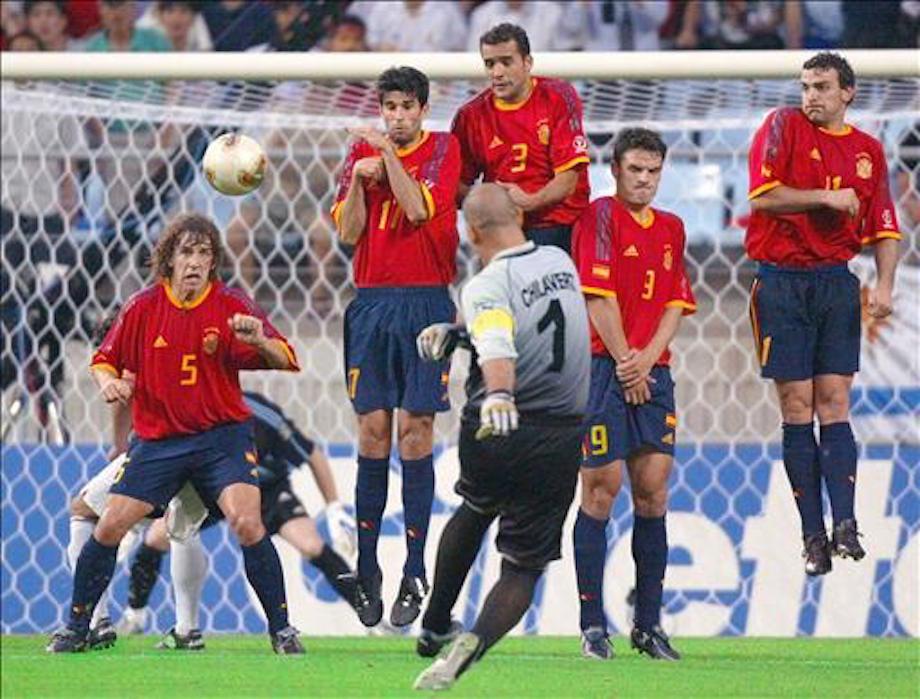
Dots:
pixel 493 219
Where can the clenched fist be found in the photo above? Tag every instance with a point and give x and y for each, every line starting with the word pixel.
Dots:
pixel 247 329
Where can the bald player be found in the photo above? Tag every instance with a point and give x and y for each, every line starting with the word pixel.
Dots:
pixel 520 435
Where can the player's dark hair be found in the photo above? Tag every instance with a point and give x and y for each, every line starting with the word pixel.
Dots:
pixel 827 60
pixel 403 79
pixel 29 5
pixel 200 227
pixel 638 138
pixel 506 31
pixel 105 324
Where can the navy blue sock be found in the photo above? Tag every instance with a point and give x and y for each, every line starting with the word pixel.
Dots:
pixel 800 456
pixel 650 552
pixel 417 495
pixel 837 457
pixel 370 502
pixel 590 537
pixel 263 570
pixel 95 567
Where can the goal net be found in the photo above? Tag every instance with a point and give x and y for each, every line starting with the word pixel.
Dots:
pixel 93 170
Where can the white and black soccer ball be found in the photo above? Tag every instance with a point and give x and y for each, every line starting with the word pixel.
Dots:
pixel 234 164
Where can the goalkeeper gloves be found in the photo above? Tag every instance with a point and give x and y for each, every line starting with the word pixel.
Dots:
pixel 498 416
pixel 342 530
pixel 438 341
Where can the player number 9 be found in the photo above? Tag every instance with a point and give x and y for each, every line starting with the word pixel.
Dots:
pixel 599 442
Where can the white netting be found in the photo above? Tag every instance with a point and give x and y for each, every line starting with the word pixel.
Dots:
pixel 92 170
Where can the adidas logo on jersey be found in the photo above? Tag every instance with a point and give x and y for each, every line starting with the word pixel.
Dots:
pixel 160 342
pixel 631 251
pixel 496 142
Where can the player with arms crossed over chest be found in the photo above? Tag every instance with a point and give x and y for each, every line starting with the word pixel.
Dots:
pixel 819 192
pixel 525 133
pixel 521 428
pixel 631 261
pixel 184 341
pixel 397 204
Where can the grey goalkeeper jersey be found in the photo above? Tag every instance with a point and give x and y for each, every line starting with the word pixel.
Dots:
pixel 534 292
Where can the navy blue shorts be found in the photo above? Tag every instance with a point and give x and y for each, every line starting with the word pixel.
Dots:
pixel 382 368
pixel 614 429
pixel 157 469
pixel 806 323
pixel 560 236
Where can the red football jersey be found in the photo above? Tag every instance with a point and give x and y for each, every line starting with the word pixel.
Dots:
pixel 789 150
pixel 394 251
pixel 527 143
pixel 185 357
pixel 642 264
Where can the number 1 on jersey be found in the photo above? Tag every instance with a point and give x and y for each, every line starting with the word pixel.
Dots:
pixel 556 318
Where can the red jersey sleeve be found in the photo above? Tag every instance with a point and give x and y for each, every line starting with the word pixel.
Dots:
pixel 568 145
pixel 461 128
pixel 681 291
pixel 770 152
pixel 244 356
pixel 117 353
pixel 881 221
pixel 358 150
pixel 593 246
pixel 440 175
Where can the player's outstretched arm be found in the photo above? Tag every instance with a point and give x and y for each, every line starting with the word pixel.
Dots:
pixel 789 200
pixel 248 329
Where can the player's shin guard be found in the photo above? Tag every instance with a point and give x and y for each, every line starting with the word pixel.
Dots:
pixel 92 576
pixel 837 457
pixel 506 604
pixel 263 570
pixel 458 548
pixel 590 539
pixel 417 494
pixel 337 572
pixel 370 502
pixel 188 566
pixel 650 552
pixel 800 457
pixel 145 569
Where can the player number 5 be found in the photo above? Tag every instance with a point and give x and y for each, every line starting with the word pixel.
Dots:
pixel 189 370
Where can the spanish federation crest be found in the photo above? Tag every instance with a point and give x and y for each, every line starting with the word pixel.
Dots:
pixel 668 260
pixel 543 133
pixel 863 166
pixel 211 338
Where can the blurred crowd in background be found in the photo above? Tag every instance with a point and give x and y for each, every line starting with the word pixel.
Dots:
pixel 426 25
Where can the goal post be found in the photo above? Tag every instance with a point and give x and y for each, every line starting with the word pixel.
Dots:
pixel 99 150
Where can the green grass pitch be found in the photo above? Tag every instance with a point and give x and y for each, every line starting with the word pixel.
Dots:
pixel 244 666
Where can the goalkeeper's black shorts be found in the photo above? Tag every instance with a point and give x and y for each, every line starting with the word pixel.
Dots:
pixel 528 479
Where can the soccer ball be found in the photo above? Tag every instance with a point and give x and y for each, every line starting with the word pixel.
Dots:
pixel 234 164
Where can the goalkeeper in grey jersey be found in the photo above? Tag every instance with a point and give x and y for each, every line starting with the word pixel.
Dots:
pixel 520 436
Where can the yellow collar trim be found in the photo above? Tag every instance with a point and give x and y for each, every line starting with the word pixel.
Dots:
pixel 186 306
pixel 644 218
pixel 845 131
pixel 403 152
pixel 503 106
